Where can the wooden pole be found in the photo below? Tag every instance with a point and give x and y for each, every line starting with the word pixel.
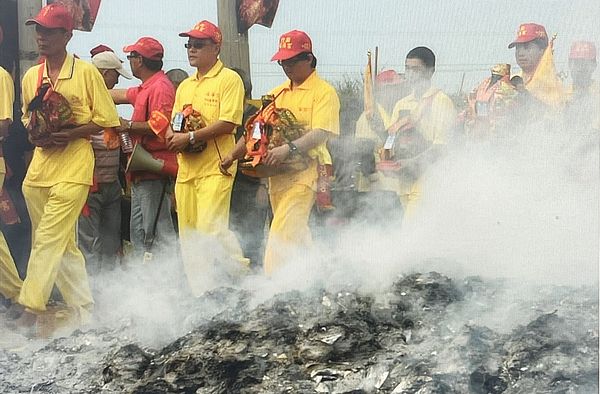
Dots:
pixel 376 69
pixel 28 50
pixel 462 84
pixel 235 51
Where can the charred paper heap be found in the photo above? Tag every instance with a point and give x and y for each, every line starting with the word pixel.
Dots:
pixel 412 338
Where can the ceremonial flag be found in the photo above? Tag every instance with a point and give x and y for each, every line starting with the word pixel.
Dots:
pixel 250 12
pixel 84 12
pixel 369 99
pixel 545 85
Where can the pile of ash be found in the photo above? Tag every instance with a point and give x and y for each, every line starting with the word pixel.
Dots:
pixel 419 336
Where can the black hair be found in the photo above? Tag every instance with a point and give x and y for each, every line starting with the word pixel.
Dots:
pixel 303 56
pixel 541 43
pixel 152 65
pixel 425 54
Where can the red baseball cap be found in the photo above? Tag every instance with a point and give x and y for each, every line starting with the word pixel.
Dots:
pixel 388 77
pixel 291 44
pixel 529 32
pixel 205 29
pixel 99 49
pixel 148 47
pixel 53 16
pixel 583 50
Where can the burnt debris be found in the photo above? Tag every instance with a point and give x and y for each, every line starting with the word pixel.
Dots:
pixel 411 338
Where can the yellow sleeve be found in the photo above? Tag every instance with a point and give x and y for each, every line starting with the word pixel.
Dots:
pixel 8 95
pixel 28 89
pixel 231 106
pixel 363 130
pixel 104 111
pixel 443 115
pixel 399 106
pixel 326 111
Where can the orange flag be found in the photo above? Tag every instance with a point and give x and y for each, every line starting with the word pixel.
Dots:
pixel 545 85
pixel 158 122
pixel 111 139
pixel 368 88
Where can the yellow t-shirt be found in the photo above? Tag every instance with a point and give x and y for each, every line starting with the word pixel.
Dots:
pixel 315 104
pixel 434 114
pixel 218 95
pixel 379 180
pixel 83 87
pixel 7 90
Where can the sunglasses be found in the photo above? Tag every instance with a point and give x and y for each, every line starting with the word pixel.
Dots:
pixel 292 61
pixel 195 44
pixel 133 56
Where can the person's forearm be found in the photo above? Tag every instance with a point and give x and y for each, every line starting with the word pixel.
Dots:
pixel 86 130
pixel 214 130
pixel 239 151
pixel 141 128
pixel 377 126
pixel 311 140
pixel 119 96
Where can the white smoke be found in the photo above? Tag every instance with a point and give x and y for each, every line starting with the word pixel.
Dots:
pixel 525 211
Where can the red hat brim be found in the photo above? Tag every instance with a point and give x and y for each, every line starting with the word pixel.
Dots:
pixel 142 51
pixel 47 25
pixel 521 40
pixel 284 54
pixel 197 34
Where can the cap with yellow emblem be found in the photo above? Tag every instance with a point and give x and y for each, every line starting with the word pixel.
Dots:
pixel 291 44
pixel 529 32
pixel 204 29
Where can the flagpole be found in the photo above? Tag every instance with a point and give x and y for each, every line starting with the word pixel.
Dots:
pixel 235 51
pixel 375 69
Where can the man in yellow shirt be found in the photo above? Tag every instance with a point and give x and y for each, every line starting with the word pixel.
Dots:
pixel 582 111
pixel 10 283
pixel 390 87
pixel 316 105
pixel 60 174
pixel 534 55
pixel 202 192
pixel 422 125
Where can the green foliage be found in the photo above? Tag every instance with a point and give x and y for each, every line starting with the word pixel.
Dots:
pixel 350 92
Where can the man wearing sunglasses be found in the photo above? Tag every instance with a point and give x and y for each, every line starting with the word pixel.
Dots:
pixel 60 175
pixel 315 104
pixel 203 193
pixel 151 225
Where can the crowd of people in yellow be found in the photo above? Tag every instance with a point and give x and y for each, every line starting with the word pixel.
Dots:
pixel 71 186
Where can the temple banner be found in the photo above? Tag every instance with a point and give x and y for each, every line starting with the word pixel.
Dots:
pixel 84 12
pixel 250 12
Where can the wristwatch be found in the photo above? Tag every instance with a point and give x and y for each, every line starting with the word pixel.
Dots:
pixel 293 148
pixel 192 138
